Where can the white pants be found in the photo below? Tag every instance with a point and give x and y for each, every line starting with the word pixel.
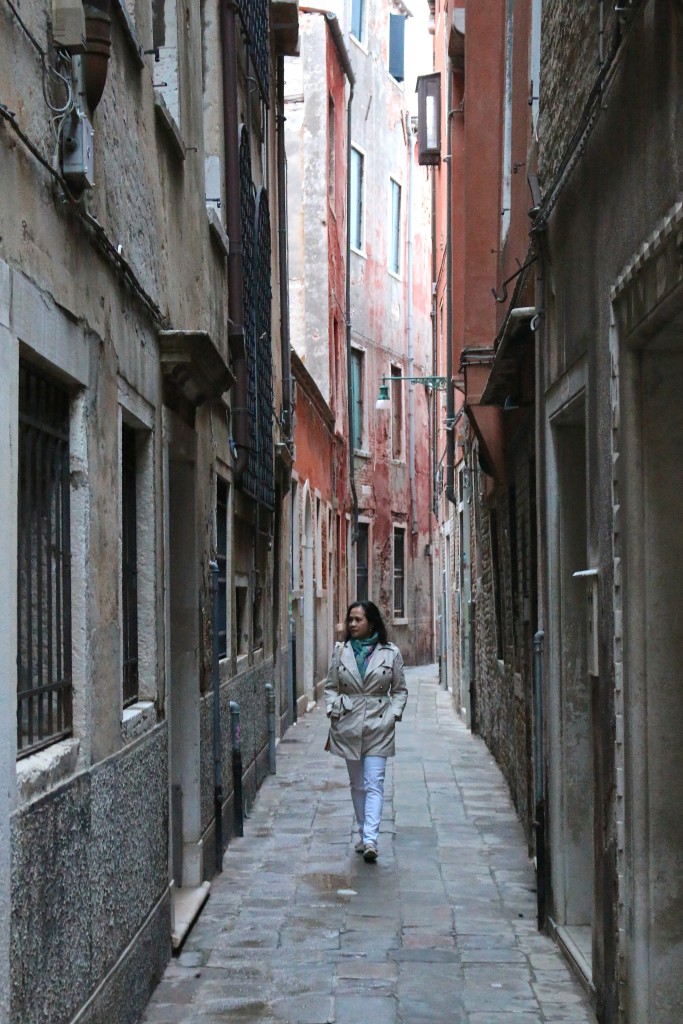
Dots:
pixel 367 792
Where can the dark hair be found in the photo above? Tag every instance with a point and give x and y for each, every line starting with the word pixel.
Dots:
pixel 372 614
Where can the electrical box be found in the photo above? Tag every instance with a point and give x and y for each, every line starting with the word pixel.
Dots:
pixel 78 152
pixel 68 25
pixel 590 578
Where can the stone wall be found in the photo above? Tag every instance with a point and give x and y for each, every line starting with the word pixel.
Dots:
pixel 503 642
pixel 90 876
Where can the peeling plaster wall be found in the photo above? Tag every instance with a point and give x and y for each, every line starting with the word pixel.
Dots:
pixel 379 327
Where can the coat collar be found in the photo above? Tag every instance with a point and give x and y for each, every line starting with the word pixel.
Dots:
pixel 349 659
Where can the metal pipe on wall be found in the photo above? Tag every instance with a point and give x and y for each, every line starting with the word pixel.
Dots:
pixel 450 390
pixel 539 779
pixel 217 732
pixel 409 333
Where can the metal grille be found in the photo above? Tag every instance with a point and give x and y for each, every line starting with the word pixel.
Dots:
pixel 129 567
pixel 264 355
pixel 254 17
pixel 399 573
pixel 248 222
pixel 258 480
pixel 44 563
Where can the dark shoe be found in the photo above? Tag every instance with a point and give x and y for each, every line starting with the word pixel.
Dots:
pixel 370 852
pixel 360 846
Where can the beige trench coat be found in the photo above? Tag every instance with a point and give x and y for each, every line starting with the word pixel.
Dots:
pixel 363 713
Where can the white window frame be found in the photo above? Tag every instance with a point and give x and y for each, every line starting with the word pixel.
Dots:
pixel 394 261
pixel 359 196
pixel 361 449
pixel 136 413
pixel 362 39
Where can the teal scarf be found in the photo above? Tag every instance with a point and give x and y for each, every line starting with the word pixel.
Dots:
pixel 363 651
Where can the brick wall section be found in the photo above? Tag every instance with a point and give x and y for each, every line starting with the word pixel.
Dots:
pixel 570 53
pixel 504 688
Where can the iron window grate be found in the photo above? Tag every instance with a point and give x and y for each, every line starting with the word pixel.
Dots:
pixel 259 477
pixel 44 711
pixel 255 22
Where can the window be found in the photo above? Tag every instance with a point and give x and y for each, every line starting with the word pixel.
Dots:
pixel 395 230
pixel 357 212
pixel 165 40
pixel 358 19
pixel 357 398
pixel 222 561
pixel 129 564
pixel 331 154
pixel 396 413
pixel 362 562
pixel 399 572
pixel 397 25
pixel 243 556
pixel 44 687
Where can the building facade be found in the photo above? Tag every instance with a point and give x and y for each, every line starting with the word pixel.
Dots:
pixel 147 426
pixel 569 351
pixel 318 104
pixel 360 299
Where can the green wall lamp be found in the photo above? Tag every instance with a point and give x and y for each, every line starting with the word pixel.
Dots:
pixel 432 383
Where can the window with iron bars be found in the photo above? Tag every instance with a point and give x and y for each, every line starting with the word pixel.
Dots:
pixel 259 478
pixel 255 21
pixel 44 689
pixel 362 562
pixel 399 572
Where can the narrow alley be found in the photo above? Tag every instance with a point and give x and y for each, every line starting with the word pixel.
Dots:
pixel 442 929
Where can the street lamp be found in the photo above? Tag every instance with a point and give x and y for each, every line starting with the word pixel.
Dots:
pixel 384 398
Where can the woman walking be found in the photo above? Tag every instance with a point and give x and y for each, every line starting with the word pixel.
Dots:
pixel 365 694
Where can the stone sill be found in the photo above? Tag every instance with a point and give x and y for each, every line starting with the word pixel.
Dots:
pixel 218 232
pixel 361 453
pixel 138 719
pixel 45 769
pixel 186 906
pixel 169 125
pixel 130 32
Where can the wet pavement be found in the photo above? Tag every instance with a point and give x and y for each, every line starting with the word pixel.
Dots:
pixel 298 929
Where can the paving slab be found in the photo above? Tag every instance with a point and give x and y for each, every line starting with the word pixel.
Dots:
pixel 298 929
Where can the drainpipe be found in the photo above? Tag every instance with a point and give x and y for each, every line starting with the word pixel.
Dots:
pixel 411 354
pixel 287 419
pixel 238 355
pixel 217 732
pixel 539 779
pixel 285 353
pixel 450 391
pixel 338 40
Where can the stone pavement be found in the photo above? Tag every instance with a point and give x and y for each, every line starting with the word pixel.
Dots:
pixel 441 930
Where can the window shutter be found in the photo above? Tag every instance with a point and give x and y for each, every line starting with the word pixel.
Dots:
pixel 396 46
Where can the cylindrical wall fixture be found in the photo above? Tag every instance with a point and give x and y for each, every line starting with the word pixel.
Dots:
pixel 98 50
